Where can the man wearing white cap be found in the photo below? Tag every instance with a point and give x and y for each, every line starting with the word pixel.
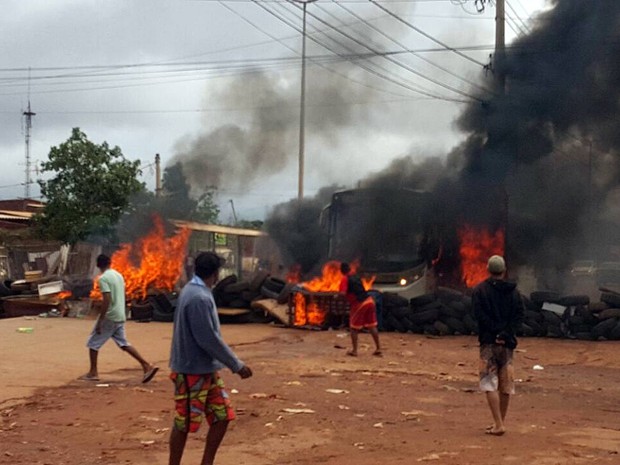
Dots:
pixel 499 310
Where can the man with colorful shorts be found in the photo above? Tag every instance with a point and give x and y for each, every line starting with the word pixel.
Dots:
pixel 198 354
pixel 498 307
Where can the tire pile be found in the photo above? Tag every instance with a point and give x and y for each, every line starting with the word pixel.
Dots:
pixel 234 293
pixel 230 292
pixel 448 312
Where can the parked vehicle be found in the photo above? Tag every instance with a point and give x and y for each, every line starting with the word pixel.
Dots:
pixel 608 274
pixel 583 268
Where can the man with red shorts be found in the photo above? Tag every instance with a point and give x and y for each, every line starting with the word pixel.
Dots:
pixel 198 354
pixel 363 311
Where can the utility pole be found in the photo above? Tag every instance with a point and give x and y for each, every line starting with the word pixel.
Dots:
pixel 302 111
pixel 28 114
pixel 232 205
pixel 500 43
pixel 157 175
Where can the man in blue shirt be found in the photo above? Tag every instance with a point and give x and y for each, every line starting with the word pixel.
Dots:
pixel 198 354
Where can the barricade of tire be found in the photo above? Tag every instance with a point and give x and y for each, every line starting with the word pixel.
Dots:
pixel 449 311
pixel 234 293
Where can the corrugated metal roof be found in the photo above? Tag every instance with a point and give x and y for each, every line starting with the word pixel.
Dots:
pixel 15 213
pixel 216 228
pixel 13 218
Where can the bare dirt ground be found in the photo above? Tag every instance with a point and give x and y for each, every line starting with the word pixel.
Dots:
pixel 417 404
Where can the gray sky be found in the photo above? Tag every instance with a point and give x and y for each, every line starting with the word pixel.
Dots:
pixel 169 76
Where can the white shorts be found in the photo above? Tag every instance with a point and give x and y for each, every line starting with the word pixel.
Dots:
pixel 109 330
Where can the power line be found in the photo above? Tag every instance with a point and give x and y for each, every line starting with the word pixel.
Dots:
pixel 412 53
pixel 428 36
pixel 361 65
pixel 396 62
pixel 309 58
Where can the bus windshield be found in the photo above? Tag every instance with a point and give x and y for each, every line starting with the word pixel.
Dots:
pixel 382 228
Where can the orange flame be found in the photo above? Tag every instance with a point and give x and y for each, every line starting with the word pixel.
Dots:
pixel 161 262
pixel 64 295
pixel 307 311
pixel 476 246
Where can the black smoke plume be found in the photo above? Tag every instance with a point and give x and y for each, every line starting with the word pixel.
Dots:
pixel 542 158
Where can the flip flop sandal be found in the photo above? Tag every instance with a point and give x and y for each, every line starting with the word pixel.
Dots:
pixel 150 374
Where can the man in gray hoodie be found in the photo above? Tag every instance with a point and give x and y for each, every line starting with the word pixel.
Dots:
pixel 198 354
pixel 499 310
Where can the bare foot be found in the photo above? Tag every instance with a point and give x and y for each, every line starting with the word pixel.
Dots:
pixel 378 353
pixel 89 377
pixel 352 353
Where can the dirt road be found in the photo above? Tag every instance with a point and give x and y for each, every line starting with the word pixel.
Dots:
pixel 417 404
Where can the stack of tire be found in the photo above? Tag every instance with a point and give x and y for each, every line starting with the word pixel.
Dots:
pixel 444 312
pixel 448 311
pixel 576 318
pixel 231 292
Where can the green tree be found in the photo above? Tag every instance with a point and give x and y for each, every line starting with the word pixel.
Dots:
pixel 206 210
pixel 89 192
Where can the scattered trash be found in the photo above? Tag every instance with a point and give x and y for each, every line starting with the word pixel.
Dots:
pixel 25 330
pixel 162 430
pixel 102 385
pixel 538 367
pixel 234 391
pixel 269 425
pixel 360 415
pixel 293 383
pixel 297 410
pixel 337 391
pixel 30 318
pixel 341 335
pixel 343 407
pixel 147 443
pixel 378 425
pixel 258 395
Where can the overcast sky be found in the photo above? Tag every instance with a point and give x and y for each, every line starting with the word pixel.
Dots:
pixel 179 77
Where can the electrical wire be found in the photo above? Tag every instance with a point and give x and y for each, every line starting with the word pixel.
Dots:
pixel 417 55
pixel 361 65
pixel 396 62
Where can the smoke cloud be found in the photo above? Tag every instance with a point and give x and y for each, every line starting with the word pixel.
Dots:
pixel 541 159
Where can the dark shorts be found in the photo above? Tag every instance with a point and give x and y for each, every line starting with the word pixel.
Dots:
pixel 496 370
pixel 199 396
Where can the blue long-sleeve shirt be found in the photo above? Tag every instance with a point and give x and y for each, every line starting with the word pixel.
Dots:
pixel 197 345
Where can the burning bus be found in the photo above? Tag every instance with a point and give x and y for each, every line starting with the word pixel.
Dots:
pixel 387 232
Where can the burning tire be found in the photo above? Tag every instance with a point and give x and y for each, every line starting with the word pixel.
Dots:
pixel 285 293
